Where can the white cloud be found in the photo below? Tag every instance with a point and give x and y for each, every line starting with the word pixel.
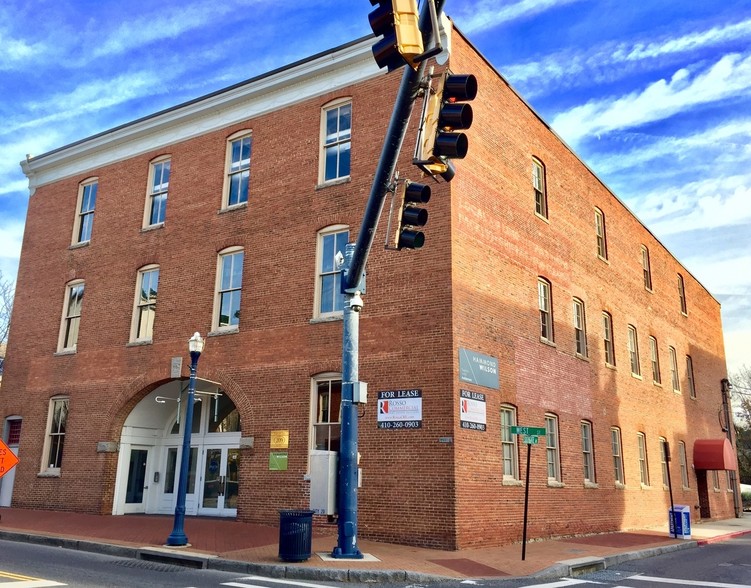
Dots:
pixel 690 42
pixel 727 78
pixel 609 62
pixel 731 139
pixel 703 205
pixel 11 234
pixel 488 14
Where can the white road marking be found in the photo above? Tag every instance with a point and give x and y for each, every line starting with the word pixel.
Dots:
pixel 688 582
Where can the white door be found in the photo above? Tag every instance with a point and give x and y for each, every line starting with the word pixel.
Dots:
pixel 137 487
pixel 219 481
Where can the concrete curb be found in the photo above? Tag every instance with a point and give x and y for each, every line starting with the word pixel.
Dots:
pixel 565 568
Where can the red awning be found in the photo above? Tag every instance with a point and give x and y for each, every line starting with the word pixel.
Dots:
pixel 714 454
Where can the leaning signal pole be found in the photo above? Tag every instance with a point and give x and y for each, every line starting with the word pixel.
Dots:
pixel 406 31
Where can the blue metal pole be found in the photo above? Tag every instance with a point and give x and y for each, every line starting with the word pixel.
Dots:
pixel 178 538
pixel 354 265
pixel 347 498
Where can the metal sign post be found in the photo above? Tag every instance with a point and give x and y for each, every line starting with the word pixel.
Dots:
pixel 530 436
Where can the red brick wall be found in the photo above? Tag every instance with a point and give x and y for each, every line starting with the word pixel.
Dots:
pixel 500 247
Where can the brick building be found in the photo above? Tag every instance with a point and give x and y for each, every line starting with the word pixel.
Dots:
pixel 538 300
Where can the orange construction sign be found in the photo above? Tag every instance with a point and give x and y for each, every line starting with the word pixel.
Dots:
pixel 8 459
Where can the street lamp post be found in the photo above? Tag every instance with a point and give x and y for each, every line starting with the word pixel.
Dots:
pixel 178 538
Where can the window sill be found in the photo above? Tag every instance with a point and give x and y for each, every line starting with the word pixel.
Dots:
pixel 658 384
pixel 545 219
pixel 610 366
pixel 336 182
pixel 548 342
pixel 49 474
pixel 677 391
pixel 139 343
pixel 645 486
pixel 620 486
pixel 591 485
pixel 226 209
pixel 555 484
pixel 79 245
pixel 223 331
pixel 582 357
pixel 687 489
pixel 327 319
pixel 512 482
pixel 64 352
pixel 150 228
pixel 716 490
pixel 603 259
pixel 684 314
pixel 636 376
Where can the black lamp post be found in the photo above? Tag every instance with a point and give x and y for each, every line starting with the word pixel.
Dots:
pixel 178 538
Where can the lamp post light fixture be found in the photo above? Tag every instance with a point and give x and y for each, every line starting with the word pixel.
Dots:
pixel 178 538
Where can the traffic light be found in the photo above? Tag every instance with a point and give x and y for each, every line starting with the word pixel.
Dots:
pixel 445 112
pixel 397 21
pixel 411 217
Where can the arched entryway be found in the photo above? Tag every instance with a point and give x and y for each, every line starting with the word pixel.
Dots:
pixel 150 446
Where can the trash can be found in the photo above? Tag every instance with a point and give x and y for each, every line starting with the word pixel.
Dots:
pixel 295 534
pixel 680 521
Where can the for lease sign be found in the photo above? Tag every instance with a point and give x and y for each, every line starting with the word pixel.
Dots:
pixel 400 409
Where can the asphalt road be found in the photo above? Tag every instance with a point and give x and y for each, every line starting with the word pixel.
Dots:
pixel 25 565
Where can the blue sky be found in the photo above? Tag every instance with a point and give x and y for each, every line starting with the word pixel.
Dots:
pixel 654 95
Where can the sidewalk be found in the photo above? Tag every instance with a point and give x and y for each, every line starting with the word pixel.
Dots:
pixel 253 549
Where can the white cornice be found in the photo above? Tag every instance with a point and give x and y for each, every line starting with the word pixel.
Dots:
pixel 317 75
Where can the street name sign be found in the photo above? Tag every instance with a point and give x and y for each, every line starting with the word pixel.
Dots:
pixel 8 459
pixel 539 431
pixel 530 439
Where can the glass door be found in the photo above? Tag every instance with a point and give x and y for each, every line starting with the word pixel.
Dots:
pixel 137 480
pixel 220 481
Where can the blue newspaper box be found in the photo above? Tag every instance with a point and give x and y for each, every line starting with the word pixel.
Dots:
pixel 680 521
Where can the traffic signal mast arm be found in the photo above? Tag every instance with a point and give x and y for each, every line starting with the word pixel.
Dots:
pixel 392 145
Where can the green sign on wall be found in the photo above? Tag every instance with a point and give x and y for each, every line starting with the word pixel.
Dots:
pixel 278 461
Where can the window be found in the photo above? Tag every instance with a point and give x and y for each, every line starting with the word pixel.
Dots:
pixel 655 360
pixel 508 443
pixel 716 480
pixel 552 449
pixel 684 464
pixel 145 306
pixel 13 431
pixel 327 392
pixel 336 139
pixel 690 377
pixel 607 336
pixel 588 452
pixel 156 201
pixel 229 288
pixel 546 309
pixel 237 180
pixel 643 465
pixel 56 422
pixel 615 442
pixel 682 294
pixel 328 298
pixel 71 316
pixel 664 461
pixel 674 370
pixel 541 195
pixel 85 215
pixel 646 268
pixel 633 350
pixel 602 242
pixel 580 328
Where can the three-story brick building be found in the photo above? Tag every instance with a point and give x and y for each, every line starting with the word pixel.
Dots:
pixel 538 300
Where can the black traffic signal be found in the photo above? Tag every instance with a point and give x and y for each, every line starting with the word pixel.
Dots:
pixel 446 112
pixel 411 217
pixel 397 21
